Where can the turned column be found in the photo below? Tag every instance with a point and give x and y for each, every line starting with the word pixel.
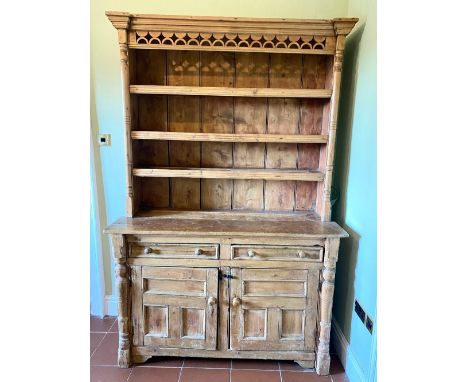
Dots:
pixel 326 302
pixel 124 69
pixel 328 152
pixel 122 275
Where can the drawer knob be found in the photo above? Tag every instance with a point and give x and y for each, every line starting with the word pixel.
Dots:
pixel 301 254
pixel 236 301
pixel 148 250
pixel 251 253
pixel 212 301
pixel 198 251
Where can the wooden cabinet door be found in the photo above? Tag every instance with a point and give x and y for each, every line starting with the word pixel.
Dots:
pixel 175 307
pixel 273 309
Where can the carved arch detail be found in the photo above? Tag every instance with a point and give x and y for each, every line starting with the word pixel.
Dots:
pixel 233 40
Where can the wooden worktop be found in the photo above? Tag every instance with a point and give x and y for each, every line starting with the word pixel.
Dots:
pixel 231 224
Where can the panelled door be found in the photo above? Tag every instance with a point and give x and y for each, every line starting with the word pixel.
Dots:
pixel 273 309
pixel 175 307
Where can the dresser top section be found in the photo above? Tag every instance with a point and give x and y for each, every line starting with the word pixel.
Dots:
pixel 210 24
pixel 296 225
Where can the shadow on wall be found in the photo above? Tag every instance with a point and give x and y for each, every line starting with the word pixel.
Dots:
pixel 100 203
pixel 344 284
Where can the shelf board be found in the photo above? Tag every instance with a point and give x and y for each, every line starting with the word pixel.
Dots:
pixel 230 92
pixel 214 137
pixel 230 173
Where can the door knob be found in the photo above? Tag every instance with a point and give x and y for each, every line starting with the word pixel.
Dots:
pixel 198 251
pixel 211 300
pixel 148 250
pixel 236 301
pixel 251 253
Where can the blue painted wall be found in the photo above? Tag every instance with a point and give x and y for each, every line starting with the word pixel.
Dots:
pixel 356 178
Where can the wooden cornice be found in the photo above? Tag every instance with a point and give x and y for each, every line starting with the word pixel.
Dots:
pixel 232 33
pixel 209 24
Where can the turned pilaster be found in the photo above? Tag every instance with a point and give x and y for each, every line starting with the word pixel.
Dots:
pixel 326 303
pixel 125 73
pixel 330 155
pixel 121 273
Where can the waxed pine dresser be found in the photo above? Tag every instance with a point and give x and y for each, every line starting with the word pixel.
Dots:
pixel 227 248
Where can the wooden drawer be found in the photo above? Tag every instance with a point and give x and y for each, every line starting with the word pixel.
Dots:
pixel 174 251
pixel 263 252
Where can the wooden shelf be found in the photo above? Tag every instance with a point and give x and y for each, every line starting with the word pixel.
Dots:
pixel 230 92
pixel 230 173
pixel 214 137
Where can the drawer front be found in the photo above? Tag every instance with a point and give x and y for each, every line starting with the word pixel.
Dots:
pixel 174 251
pixel 263 252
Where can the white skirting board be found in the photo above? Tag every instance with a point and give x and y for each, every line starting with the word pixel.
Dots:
pixel 346 356
pixel 111 305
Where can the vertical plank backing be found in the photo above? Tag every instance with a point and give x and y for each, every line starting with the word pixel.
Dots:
pixel 183 68
pixel 217 69
pixel 150 67
pixel 283 118
pixel 308 154
pixel 250 117
pixel 152 115
pixel 315 69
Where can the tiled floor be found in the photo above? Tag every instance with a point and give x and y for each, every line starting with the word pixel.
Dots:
pixel 104 365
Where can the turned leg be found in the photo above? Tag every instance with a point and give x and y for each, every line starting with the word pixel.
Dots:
pixel 121 273
pixel 306 364
pixel 326 301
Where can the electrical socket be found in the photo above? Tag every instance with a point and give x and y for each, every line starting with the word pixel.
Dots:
pixel 104 139
pixel 369 324
pixel 359 311
pixel 363 316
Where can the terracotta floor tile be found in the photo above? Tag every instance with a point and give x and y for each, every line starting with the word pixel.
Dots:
pixel 294 376
pixel 94 340
pixel 115 327
pixel 154 374
pixel 254 364
pixel 101 325
pixel 109 374
pixel 204 375
pixel 162 362
pixel 106 353
pixel 210 363
pixel 255 376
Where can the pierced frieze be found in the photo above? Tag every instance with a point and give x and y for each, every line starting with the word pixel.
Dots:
pixel 233 40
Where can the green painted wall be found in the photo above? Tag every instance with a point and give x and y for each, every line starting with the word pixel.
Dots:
pixel 356 178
